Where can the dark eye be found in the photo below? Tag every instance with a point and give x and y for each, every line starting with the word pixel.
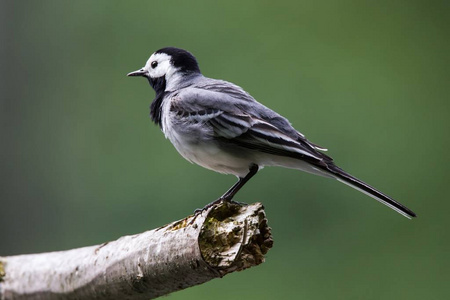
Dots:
pixel 154 64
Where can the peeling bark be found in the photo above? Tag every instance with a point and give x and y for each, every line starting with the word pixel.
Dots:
pixel 227 237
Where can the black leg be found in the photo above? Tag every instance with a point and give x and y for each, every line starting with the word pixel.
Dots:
pixel 233 190
pixel 238 185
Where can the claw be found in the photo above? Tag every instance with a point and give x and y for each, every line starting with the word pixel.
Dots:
pixel 199 211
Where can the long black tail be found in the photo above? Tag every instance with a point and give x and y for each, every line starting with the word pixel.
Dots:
pixel 361 186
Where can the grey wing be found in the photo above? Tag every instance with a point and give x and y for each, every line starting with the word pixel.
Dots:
pixel 263 112
pixel 244 122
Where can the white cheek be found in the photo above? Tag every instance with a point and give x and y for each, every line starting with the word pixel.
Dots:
pixel 162 69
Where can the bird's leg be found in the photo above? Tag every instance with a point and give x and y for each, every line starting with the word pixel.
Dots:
pixel 238 185
pixel 233 190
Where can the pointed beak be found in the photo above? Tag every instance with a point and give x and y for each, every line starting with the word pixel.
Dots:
pixel 140 72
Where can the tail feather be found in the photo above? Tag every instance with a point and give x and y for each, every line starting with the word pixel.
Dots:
pixel 363 187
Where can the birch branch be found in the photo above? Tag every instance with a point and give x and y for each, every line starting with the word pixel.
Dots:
pixel 227 237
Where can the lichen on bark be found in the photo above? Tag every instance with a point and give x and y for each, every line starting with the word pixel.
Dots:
pixel 2 271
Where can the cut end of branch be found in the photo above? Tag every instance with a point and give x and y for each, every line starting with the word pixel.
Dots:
pixel 235 237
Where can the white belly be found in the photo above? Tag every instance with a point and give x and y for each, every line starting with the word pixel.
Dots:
pixel 209 155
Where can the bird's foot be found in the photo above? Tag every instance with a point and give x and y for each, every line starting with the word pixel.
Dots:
pixel 199 211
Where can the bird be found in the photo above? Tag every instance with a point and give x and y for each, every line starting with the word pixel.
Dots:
pixel 221 127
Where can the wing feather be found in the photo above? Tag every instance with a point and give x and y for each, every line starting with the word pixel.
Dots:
pixel 233 116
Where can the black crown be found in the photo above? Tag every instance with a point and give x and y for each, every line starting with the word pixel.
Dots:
pixel 181 59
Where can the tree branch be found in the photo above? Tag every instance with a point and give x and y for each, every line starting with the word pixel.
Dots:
pixel 227 237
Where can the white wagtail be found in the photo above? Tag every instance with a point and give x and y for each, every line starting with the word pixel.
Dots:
pixel 219 126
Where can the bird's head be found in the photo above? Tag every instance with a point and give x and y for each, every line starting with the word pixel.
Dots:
pixel 167 68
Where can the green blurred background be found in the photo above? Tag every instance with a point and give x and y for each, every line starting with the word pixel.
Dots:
pixel 81 163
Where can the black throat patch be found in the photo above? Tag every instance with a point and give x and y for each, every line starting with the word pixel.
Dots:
pixel 159 85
